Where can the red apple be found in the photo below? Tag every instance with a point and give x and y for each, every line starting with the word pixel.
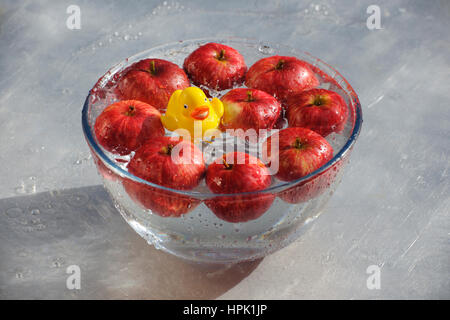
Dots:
pixel 244 173
pixel 249 109
pixel 320 110
pixel 152 81
pixel 103 170
pixel 162 202
pixel 215 66
pixel 300 152
pixel 313 187
pixel 281 76
pixel 125 125
pixel 155 162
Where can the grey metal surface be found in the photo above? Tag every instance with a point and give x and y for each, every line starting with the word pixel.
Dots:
pixel 44 234
pixel 391 210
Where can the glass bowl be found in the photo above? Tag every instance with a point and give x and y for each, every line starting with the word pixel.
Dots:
pixel 197 233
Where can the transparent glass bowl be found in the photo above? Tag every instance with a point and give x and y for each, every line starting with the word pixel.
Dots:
pixel 199 234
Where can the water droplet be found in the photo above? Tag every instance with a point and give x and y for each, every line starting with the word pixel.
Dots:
pixel 13 212
pixel 35 211
pixel 116 34
pixel 21 188
pixel 78 200
pixel 126 37
pixel 41 226
pixel 58 262
pixel 265 49
pixel 36 221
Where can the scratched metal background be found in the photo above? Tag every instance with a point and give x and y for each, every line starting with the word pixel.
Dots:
pixel 391 210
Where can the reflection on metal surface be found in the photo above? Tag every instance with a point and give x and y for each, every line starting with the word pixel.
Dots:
pixel 86 231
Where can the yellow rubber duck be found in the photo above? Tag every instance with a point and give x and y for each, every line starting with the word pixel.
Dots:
pixel 191 110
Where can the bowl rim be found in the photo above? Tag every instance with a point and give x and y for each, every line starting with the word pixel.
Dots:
pixel 110 164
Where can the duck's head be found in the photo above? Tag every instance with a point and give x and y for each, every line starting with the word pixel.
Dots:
pixel 194 103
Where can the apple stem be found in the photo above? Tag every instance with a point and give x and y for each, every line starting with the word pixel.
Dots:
pixel 249 96
pixel 131 111
pixel 167 150
pixel 152 67
pixel 227 166
pixel 318 101
pixel 280 64
pixel 298 144
pixel 221 55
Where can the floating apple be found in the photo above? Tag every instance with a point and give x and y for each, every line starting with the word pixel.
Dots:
pixel 312 187
pixel 152 81
pixel 125 125
pixel 162 202
pixel 156 162
pixel 281 76
pixel 320 110
pixel 300 152
pixel 215 66
pixel 103 170
pixel 238 172
pixel 249 109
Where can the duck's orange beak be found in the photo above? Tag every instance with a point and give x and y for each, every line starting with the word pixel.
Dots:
pixel 200 113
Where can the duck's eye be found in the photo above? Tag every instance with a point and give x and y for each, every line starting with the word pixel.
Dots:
pixel 185 106
pixel 206 99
